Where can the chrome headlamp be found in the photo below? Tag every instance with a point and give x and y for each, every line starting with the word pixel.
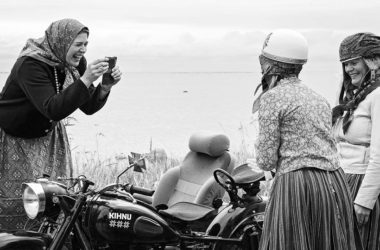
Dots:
pixel 38 197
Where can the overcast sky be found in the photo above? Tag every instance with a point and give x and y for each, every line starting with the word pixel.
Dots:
pixel 192 28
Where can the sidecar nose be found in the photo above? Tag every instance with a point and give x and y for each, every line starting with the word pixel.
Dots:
pixel 23 240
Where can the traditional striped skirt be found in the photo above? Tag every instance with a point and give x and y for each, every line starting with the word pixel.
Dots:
pixel 23 160
pixel 309 209
pixel 370 232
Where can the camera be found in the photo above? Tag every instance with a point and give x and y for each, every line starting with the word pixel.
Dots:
pixel 111 63
pixel 107 78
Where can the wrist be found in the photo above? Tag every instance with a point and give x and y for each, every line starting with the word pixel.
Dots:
pixel 86 81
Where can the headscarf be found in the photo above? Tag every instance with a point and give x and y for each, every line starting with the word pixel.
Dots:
pixel 54 45
pixel 279 70
pixel 367 47
pixel 359 45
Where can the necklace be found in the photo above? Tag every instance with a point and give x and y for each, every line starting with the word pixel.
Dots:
pixel 56 80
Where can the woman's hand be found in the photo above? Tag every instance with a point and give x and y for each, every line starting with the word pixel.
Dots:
pixel 362 214
pixel 94 70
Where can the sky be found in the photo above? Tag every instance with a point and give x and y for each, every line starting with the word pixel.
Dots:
pixel 188 35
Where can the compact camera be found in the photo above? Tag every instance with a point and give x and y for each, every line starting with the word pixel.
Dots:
pixel 111 63
pixel 107 78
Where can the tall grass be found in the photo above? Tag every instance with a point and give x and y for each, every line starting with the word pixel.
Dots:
pixel 104 171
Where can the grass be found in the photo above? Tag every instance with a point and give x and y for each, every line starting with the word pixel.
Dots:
pixel 105 171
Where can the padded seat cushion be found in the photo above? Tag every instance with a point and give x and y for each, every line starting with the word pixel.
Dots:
pixel 211 144
pixel 208 151
pixel 187 211
pixel 195 170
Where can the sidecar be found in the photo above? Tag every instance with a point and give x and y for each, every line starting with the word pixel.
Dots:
pixel 236 226
pixel 23 240
pixel 242 221
pixel 187 181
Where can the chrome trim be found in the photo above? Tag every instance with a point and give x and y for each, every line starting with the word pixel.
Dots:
pixel 39 191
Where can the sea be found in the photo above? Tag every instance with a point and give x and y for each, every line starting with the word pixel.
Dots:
pixel 161 110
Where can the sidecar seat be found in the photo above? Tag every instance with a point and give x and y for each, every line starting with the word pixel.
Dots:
pixel 208 151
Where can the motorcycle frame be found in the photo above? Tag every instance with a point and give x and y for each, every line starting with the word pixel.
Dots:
pixel 71 223
pixel 225 219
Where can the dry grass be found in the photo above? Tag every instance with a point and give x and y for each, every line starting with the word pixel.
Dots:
pixel 105 171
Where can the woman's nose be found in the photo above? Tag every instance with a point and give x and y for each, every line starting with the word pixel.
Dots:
pixel 348 68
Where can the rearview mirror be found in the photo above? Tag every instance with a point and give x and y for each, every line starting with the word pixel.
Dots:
pixel 137 161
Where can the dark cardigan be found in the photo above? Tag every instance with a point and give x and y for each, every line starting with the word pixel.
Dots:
pixel 29 104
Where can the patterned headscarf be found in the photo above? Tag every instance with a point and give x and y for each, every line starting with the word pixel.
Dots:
pixel 367 47
pixel 54 45
pixel 284 70
pixel 274 68
pixel 359 45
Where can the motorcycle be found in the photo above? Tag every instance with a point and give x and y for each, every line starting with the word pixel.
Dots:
pixel 78 217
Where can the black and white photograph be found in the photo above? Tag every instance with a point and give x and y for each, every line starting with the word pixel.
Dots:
pixel 189 124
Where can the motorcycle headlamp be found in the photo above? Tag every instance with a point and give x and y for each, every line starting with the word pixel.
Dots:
pixel 38 198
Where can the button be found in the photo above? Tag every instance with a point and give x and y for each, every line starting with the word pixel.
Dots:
pixel 46 130
pixel 51 121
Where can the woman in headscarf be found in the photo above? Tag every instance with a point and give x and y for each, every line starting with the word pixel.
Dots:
pixel 48 82
pixel 310 206
pixel 357 130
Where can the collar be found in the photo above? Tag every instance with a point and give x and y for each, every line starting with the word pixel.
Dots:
pixel 289 80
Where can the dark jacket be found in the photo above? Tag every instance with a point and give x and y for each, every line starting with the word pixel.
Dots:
pixel 29 105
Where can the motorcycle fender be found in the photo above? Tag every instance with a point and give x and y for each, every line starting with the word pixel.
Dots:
pixel 22 240
pixel 229 218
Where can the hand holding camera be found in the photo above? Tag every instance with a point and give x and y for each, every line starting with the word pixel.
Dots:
pixel 112 75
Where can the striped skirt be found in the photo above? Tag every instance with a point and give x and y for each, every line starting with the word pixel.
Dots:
pixel 309 209
pixel 370 232
pixel 23 160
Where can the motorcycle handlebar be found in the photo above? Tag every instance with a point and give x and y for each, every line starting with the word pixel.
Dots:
pixel 139 190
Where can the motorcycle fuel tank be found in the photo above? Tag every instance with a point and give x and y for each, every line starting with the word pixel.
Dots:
pixel 114 219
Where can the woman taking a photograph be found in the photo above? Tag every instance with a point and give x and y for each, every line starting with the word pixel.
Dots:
pixel 48 82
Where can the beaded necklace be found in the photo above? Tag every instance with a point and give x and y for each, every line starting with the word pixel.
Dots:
pixel 56 80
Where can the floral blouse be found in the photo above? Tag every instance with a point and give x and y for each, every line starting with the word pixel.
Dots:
pixel 294 130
